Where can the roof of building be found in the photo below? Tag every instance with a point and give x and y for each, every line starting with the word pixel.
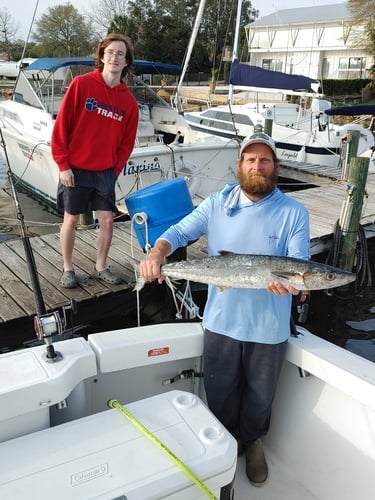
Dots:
pixel 304 15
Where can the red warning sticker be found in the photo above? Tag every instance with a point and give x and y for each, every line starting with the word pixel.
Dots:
pixel 158 351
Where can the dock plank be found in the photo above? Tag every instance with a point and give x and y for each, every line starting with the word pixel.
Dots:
pixel 15 283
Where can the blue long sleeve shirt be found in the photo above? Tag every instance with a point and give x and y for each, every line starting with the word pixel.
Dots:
pixel 275 225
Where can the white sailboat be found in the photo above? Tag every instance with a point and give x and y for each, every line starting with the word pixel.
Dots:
pixel 301 133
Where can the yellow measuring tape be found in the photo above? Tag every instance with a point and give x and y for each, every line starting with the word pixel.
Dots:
pixel 113 403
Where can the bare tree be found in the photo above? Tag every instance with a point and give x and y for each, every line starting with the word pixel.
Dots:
pixel 8 31
pixel 363 14
pixel 103 12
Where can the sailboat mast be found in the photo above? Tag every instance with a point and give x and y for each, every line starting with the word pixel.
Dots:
pixel 235 44
pixel 193 37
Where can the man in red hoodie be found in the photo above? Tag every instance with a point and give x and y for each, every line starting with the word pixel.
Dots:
pixel 92 139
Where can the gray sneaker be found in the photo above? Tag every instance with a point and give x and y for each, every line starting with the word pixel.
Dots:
pixel 256 465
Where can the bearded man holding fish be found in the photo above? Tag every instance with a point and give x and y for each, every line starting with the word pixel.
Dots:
pixel 245 329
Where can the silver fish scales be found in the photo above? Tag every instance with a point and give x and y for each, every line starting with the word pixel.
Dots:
pixel 256 271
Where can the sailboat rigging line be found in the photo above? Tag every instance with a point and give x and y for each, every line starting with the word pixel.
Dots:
pixel 238 139
pixel 28 35
pixel 41 308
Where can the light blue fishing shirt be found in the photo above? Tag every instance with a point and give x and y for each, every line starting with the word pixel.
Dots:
pixel 275 225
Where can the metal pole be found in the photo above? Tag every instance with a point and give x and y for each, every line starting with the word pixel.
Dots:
pixel 193 37
pixel 235 45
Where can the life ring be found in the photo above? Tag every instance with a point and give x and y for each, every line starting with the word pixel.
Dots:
pixel 188 171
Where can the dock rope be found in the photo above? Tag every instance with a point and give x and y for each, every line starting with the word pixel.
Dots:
pixel 139 218
pixel 114 404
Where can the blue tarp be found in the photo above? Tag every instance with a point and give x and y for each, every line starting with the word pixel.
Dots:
pixel 140 67
pixel 361 109
pixel 253 76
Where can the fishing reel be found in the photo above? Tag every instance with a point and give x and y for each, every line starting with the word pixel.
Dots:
pixel 50 324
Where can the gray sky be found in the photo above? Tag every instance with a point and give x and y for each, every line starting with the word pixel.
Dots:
pixel 23 11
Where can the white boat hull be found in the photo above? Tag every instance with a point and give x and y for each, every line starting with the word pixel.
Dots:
pixel 321 444
pixel 206 165
pixel 299 137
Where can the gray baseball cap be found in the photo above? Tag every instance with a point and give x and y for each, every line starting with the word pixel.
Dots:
pixel 258 138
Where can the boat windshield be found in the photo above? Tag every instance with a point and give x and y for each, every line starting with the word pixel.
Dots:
pixel 226 116
pixel 45 89
pixel 145 94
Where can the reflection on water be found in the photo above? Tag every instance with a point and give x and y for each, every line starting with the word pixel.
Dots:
pixel 347 321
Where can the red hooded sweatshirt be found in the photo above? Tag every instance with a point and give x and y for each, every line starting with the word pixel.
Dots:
pixel 96 125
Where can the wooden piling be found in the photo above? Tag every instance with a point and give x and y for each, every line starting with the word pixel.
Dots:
pixel 268 126
pixel 350 149
pixel 351 214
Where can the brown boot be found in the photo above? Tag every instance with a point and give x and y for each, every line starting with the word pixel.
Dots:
pixel 256 465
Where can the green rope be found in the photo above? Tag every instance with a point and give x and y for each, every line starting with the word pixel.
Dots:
pixel 113 403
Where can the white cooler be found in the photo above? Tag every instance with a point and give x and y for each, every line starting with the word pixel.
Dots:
pixel 105 456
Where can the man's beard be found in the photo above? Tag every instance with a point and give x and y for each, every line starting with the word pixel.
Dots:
pixel 257 184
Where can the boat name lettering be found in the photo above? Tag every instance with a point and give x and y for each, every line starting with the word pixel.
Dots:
pixel 133 169
pixel 88 475
pixel 287 155
pixel 10 115
pixel 26 151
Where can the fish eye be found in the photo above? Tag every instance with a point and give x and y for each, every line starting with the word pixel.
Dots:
pixel 331 276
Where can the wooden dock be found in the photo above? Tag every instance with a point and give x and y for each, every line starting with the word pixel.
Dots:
pixel 99 300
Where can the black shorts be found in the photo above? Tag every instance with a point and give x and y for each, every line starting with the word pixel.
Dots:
pixel 92 191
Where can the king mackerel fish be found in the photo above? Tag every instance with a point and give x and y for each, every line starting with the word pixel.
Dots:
pixel 230 270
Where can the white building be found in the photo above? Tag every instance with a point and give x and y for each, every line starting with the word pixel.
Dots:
pixel 318 42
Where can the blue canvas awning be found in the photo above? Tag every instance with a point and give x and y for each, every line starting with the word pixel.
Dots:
pixel 140 67
pixel 54 63
pixel 252 76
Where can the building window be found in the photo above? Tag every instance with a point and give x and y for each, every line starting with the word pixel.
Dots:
pixel 352 67
pixel 272 64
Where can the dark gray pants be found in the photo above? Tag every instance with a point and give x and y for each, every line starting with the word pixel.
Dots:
pixel 240 380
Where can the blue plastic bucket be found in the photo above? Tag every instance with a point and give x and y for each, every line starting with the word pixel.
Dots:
pixel 155 208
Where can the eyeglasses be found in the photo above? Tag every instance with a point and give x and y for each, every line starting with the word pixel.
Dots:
pixel 112 53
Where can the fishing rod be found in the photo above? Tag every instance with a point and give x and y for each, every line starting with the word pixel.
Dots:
pixel 45 324
pixel 25 239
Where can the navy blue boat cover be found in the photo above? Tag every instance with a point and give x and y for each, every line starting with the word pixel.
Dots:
pixel 361 109
pixel 253 76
